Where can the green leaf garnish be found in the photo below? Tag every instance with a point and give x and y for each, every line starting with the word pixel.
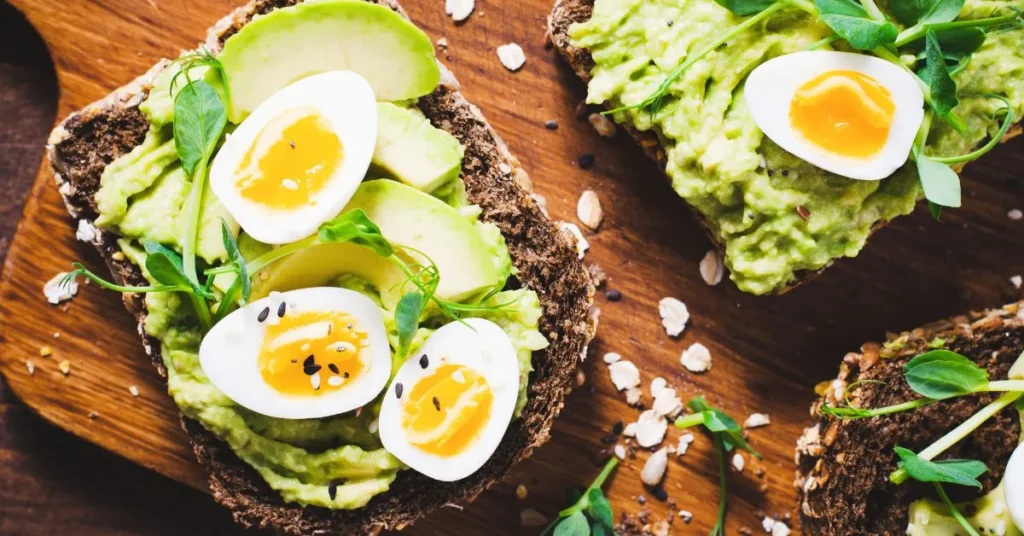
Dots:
pixel 355 226
pixel 592 505
pixel 851 21
pixel 960 472
pixel 199 120
pixel 911 12
pixel 81 270
pixel 940 183
pixel 407 319
pixel 936 75
pixel 942 374
pixel 743 8
pixel 165 266
pixel 236 259
pixel 954 511
pixel 717 422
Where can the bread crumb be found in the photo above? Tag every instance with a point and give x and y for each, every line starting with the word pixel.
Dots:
pixel 86 231
pixel 620 452
pixel 65 367
pixel 674 315
pixel 442 42
pixel 612 357
pixel 588 210
pixel 93 414
pixel 57 290
pixel 624 375
pixel 696 358
pixel 521 492
pixel 1016 281
pixel 597 275
pixel 459 9
pixel 686 516
pixel 756 420
pixel 684 443
pixel 602 125
pixel 117 256
pixel 45 351
pixel 581 243
pixel 511 56
pixel 711 268
pixel 133 390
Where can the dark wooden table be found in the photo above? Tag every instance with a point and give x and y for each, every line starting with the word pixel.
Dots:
pixel 50 481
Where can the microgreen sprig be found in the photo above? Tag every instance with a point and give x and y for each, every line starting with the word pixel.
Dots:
pixel 591 514
pixel 959 472
pixel 727 436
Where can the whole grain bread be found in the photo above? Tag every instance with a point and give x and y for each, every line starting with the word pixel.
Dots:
pixel 568 12
pixel 88 140
pixel 844 465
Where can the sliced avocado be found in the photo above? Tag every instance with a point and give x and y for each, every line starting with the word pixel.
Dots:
pixel 408 217
pixel 291 43
pixel 413 151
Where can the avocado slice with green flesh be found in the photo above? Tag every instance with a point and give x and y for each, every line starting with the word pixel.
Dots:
pixel 408 217
pixel 291 43
pixel 413 151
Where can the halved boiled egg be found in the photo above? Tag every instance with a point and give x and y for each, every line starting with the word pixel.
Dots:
pixel 852 114
pixel 297 159
pixel 1013 479
pixel 301 354
pixel 450 403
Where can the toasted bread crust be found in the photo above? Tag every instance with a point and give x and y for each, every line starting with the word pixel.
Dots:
pixel 844 465
pixel 84 143
pixel 564 14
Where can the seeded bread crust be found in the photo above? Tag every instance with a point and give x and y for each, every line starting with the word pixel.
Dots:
pixel 568 12
pixel 84 143
pixel 844 465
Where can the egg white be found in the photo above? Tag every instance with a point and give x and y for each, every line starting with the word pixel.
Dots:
pixel 229 355
pixel 769 93
pixel 346 100
pixel 476 343
pixel 1013 480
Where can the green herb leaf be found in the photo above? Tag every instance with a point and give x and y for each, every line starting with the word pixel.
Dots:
pixel 600 511
pixel 935 211
pixel 940 183
pixel 911 12
pixel 962 472
pixel 407 319
pixel 743 8
pixel 355 226
pixel 717 422
pixel 851 22
pixel 235 256
pixel 574 525
pixel 941 374
pixel 165 266
pixel 81 270
pixel 955 43
pixel 936 75
pixel 199 120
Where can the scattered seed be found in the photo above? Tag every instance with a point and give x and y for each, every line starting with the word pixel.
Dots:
pixel 612 357
pixel 613 295
pixel 291 144
pixel 686 516
pixel 1015 214
pixel 332 490
pixel 521 492
pixel 281 309
pixel 31 367
pixel 437 403
pixel 618 427
pixel 334 368
pixel 45 351
pixel 345 375
pixel 93 414
pixel 670 23
pixel 314 380
pixel 610 438
pixel 530 517
pixel 803 212
pixel 65 367
pixel 738 462
pixel 459 9
pixel 641 499
pixel 309 361
pixel 424 361
pixel 711 268
pixel 756 420
pixel 654 468
pixel 620 452
pixel 311 370
pixel 295 360
pixel 585 161
pixel 660 493
pixel 1016 281
pixel 511 56
pixel 398 390
pixel 335 381
pixel 602 125
pixel 551 124
pixel 588 210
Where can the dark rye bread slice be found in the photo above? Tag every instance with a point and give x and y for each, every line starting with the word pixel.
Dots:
pixel 82 146
pixel 844 465
pixel 568 12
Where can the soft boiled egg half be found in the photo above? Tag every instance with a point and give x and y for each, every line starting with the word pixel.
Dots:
pixel 451 402
pixel 1013 479
pixel 297 159
pixel 301 354
pixel 852 114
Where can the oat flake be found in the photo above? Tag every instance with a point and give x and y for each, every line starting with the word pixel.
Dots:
pixel 459 9
pixel 674 316
pixel 756 420
pixel 696 358
pixel 624 375
pixel 711 268
pixel 650 429
pixel 511 56
pixel 611 357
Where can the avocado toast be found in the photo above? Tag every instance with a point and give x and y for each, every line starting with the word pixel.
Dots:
pixel 778 219
pixel 543 260
pixel 846 459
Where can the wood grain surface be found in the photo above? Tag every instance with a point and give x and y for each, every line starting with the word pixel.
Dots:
pixel 769 352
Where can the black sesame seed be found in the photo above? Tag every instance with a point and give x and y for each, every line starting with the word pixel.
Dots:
pixel 263 314
pixel 613 295
pixel 617 429
pixel 311 370
pixel 334 368
pixel 345 375
pixel 785 173
pixel 586 161
pixel 660 493
pixel 424 361
pixel 610 438
pixel 291 144
pixel 295 360
pixel 332 490
pixel 437 404
pixel 309 361
pixel 280 309
pixel 349 326
pixel 771 172
pixel 551 124
pixel 671 22
pixel 398 390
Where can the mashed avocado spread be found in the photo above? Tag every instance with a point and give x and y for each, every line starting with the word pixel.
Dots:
pixel 336 462
pixel 745 187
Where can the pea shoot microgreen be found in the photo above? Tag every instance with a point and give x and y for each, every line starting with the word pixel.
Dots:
pixel 590 514
pixel 727 436
pixel 959 472
pixel 932 35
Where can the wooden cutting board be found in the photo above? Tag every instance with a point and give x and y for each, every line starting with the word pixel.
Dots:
pixel 769 352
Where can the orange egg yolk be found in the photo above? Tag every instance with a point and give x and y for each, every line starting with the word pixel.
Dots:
pixel 847 113
pixel 291 160
pixel 446 411
pixel 312 353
